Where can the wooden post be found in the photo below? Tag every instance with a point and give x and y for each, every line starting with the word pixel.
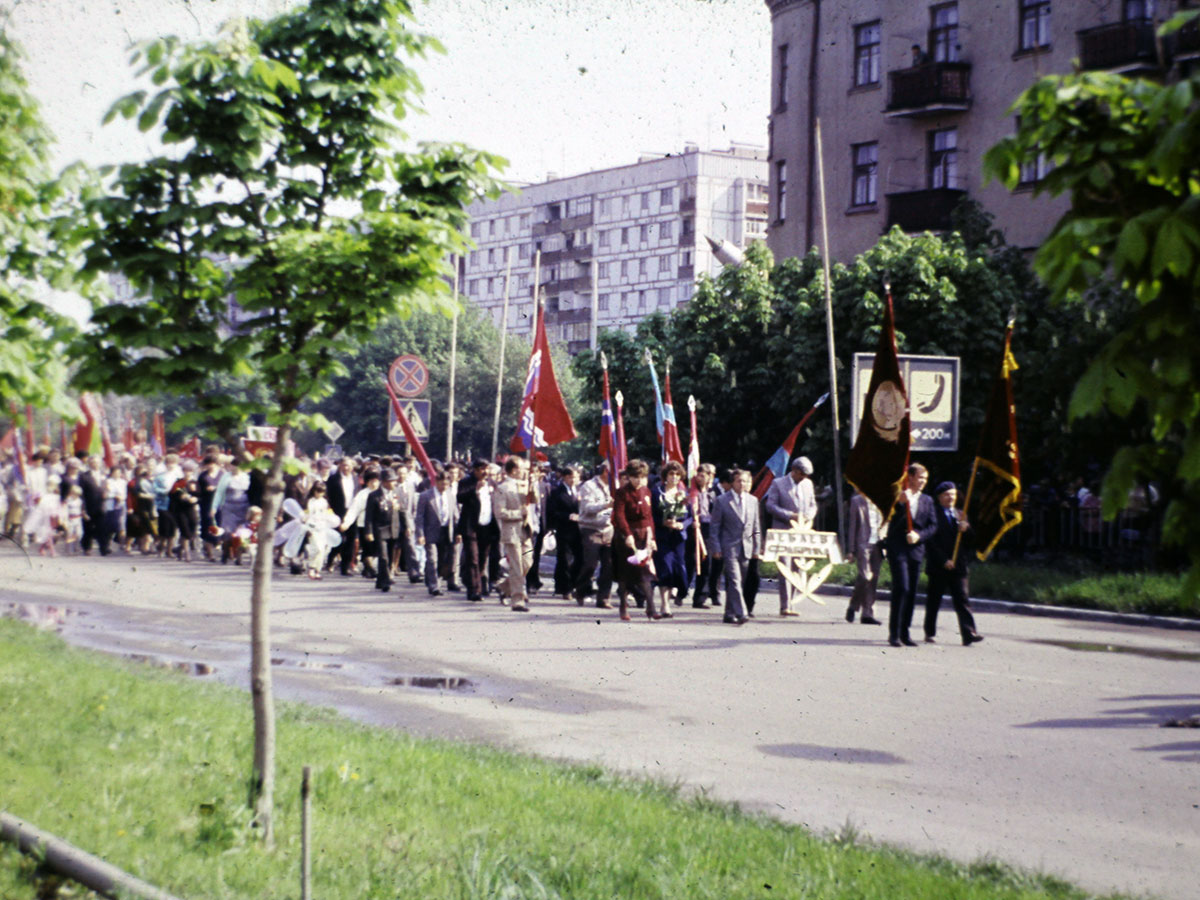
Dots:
pixel 306 834
pixel 833 393
pixel 453 367
pixel 504 336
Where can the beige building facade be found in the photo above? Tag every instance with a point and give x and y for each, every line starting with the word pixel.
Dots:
pixel 617 244
pixel 910 96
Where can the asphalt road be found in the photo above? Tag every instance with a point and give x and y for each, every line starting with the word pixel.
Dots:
pixel 1043 746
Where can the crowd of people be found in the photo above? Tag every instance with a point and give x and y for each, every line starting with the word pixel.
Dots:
pixel 637 539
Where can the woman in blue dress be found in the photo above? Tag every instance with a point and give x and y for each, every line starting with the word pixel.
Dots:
pixel 672 518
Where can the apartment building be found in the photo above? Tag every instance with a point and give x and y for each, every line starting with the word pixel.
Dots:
pixel 616 244
pixel 910 95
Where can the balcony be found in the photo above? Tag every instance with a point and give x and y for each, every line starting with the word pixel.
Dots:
pixel 578 285
pixel 687 239
pixel 927 210
pixel 568 316
pixel 756 208
pixel 1124 47
pixel 685 273
pixel 929 89
pixel 687 204
pixel 574 348
pixel 555 226
pixel 583 251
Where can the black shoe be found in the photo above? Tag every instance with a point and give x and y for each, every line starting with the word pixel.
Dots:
pixel 972 638
pixel 700 605
pixel 870 620
pixel 850 615
pixel 435 593
pixel 748 615
pixel 930 639
pixel 475 598
pixel 454 589
pixel 895 642
pixel 730 620
pixel 603 604
pixel 370 573
pixel 744 619
pixel 909 642
pixel 385 588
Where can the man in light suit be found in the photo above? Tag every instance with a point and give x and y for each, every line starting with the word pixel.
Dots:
pixel 863 543
pixel 517 512
pixel 792 504
pixel 437 527
pixel 736 536
pixel 912 524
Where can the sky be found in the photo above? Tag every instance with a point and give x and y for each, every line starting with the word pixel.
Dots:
pixel 553 86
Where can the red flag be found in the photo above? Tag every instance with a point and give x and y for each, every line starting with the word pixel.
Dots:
pixel 192 449
pixel 622 459
pixel 693 457
pixel 672 449
pixel 127 437
pixel 544 420
pixel 879 458
pixel 158 439
pixel 87 434
pixel 414 442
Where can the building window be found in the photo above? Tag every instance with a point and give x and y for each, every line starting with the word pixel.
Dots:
pixel 1033 172
pixel 603 238
pixel 474 257
pixel 943 32
pixel 781 83
pixel 666 196
pixel 524 221
pixel 943 158
pixel 624 237
pixel 641 299
pixel 1139 10
pixel 866 54
pixel 629 296
pixel 491 256
pixel 492 228
pixel 664 297
pixel 602 270
pixel 1035 24
pixel 687 227
pixel 664 231
pixel 780 190
pixel 523 282
pixel 687 258
pixel 664 263
pixel 865 161
pixel 602 302
pixel 645 201
pixel 644 233
pixel 522 251
pixel 642 266
pixel 624 268
pixel 475 229
pixel 604 204
pixel 625 205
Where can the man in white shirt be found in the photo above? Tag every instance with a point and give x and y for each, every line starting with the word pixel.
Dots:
pixel 792 504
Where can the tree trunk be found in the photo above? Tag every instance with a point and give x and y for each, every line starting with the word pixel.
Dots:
pixel 262 784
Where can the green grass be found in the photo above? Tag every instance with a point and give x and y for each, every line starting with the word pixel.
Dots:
pixel 146 768
pixel 1068 582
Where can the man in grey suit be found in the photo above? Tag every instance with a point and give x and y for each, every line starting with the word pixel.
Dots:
pixel 792 504
pixel 437 531
pixel 736 536
pixel 863 543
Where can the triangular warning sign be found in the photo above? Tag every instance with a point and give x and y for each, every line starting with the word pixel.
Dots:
pixel 396 433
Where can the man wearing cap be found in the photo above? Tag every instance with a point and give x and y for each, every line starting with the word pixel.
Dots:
pixel 792 504
pixel 948 574
pixel 381 526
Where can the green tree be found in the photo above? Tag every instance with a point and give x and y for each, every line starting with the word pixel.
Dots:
pixel 1126 151
pixel 36 250
pixel 279 231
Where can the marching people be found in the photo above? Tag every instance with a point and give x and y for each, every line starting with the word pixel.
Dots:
pixel 863 539
pixel 946 573
pixel 478 526
pixel 382 525
pixel 562 517
pixel 596 536
pixel 791 503
pixel 736 538
pixel 912 524
pixel 702 496
pixel 437 527
pixel 672 519
pixel 633 521
pixel 340 490
pixel 515 505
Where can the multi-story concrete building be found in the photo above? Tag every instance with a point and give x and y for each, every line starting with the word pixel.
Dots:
pixel 910 95
pixel 616 244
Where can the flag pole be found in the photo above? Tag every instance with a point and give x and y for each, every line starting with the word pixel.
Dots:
pixel 503 337
pixel 833 394
pixel 453 367
pixel 537 320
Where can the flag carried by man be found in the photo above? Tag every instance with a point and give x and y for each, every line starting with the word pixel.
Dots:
pixel 544 420
pixel 88 437
pixel 608 431
pixel 777 465
pixel 664 415
pixel 693 457
pixel 994 491
pixel 879 458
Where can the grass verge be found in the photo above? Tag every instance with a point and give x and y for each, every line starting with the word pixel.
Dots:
pixel 146 769
pixel 1076 583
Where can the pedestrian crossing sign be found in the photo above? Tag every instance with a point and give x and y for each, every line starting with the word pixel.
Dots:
pixel 417 412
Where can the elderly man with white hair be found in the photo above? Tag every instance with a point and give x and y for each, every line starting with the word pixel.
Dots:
pixel 791 503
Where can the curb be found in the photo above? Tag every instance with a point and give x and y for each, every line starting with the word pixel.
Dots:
pixel 1054 612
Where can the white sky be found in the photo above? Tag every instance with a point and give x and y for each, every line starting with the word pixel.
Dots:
pixel 561 86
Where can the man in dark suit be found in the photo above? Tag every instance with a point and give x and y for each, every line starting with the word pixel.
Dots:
pixel 91 482
pixel 945 572
pixel 562 515
pixel 736 538
pixel 437 524
pixel 381 524
pixel 477 524
pixel 912 524
pixel 340 489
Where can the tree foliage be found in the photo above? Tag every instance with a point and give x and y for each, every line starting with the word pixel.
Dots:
pixel 36 251
pixel 1126 151
pixel 280 230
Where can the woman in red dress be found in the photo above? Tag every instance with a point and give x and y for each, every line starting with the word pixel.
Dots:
pixel 633 519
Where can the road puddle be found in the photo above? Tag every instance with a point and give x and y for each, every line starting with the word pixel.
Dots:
pixel 821 753
pixel 433 682
pixel 1145 652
